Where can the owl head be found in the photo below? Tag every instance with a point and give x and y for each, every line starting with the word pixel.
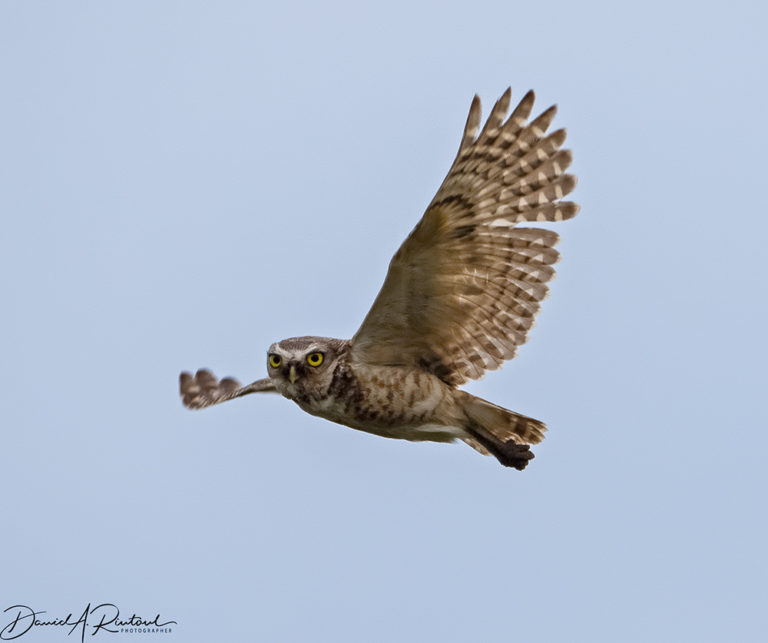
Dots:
pixel 302 367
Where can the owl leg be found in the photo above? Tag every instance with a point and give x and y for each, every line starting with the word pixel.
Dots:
pixel 508 453
pixel 501 432
pixel 511 454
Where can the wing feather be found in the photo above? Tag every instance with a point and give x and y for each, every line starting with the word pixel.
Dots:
pixel 203 389
pixel 462 291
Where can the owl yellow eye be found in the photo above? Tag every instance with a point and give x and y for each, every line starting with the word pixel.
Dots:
pixel 315 359
pixel 275 360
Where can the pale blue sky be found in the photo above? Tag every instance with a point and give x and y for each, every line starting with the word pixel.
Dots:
pixel 183 183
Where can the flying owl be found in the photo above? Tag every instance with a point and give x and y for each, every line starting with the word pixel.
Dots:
pixel 460 296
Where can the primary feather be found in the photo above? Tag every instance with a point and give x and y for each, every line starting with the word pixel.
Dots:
pixel 463 289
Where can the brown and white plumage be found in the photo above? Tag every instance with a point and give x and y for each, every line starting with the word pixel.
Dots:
pixel 463 289
pixel 460 296
pixel 203 389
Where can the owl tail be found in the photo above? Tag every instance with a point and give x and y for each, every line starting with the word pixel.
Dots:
pixel 504 434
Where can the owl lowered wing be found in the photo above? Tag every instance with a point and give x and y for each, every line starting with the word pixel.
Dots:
pixel 462 291
pixel 203 389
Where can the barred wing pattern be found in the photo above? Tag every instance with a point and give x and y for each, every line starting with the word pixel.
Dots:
pixel 203 389
pixel 462 291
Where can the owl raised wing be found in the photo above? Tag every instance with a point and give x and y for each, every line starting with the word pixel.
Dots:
pixel 462 291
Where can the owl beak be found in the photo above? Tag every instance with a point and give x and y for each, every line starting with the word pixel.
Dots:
pixel 292 374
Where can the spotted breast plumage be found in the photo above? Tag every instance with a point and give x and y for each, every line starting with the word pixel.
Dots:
pixel 460 296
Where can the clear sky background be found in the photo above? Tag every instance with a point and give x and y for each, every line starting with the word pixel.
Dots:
pixel 183 183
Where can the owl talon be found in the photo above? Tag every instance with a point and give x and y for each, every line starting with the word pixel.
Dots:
pixel 515 455
pixel 511 454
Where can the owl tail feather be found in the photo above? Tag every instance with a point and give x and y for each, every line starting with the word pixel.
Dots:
pixel 504 434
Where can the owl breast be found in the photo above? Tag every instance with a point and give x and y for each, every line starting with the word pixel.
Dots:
pixel 393 402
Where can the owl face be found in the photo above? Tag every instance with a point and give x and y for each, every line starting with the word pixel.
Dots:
pixel 303 366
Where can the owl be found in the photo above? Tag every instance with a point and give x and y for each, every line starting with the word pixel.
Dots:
pixel 460 296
